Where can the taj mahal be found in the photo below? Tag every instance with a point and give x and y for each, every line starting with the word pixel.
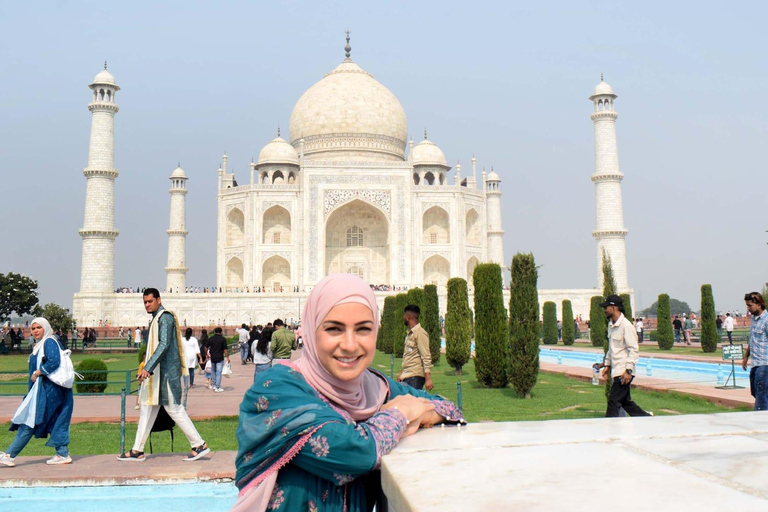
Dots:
pixel 345 192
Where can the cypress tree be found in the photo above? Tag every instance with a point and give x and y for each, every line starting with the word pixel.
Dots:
pixel 399 330
pixel 609 283
pixel 416 297
pixel 709 337
pixel 524 324
pixel 550 323
pixel 627 306
pixel 387 324
pixel 457 325
pixel 664 334
pixel 430 321
pixel 569 332
pixel 597 324
pixel 491 329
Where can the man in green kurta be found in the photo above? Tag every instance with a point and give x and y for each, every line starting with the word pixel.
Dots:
pixel 282 343
pixel 160 378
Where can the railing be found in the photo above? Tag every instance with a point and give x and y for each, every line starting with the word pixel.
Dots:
pixel 16 383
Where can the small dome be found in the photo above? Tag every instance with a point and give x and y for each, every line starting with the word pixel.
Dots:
pixel 178 173
pixel 492 176
pixel 603 89
pixel 427 153
pixel 104 77
pixel 278 151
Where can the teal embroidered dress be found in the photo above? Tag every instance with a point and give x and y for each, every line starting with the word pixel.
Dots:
pixel 326 461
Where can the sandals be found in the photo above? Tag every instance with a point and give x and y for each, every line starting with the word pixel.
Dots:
pixel 197 452
pixel 132 456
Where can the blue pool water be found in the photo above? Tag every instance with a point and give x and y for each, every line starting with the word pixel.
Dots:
pixel 186 497
pixel 684 371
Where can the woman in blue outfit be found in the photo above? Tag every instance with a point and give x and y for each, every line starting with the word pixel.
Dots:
pixel 312 432
pixel 47 408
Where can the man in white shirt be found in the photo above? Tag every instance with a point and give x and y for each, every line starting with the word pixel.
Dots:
pixel 640 329
pixel 242 342
pixel 728 324
pixel 621 359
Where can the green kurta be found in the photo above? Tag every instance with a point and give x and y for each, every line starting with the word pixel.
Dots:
pixel 166 356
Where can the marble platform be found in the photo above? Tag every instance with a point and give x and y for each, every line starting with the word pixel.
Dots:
pixel 674 463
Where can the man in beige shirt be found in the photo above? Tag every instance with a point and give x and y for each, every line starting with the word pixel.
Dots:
pixel 417 359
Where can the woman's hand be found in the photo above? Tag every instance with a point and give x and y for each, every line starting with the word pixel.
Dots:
pixel 416 411
pixel 34 375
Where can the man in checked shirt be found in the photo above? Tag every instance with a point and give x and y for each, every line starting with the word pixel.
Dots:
pixel 758 350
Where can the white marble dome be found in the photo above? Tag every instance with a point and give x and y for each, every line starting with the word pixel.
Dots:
pixel 493 176
pixel 349 115
pixel 278 151
pixel 427 153
pixel 603 89
pixel 104 77
pixel 178 173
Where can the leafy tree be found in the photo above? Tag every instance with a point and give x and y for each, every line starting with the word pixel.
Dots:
pixel 18 294
pixel 664 335
pixel 569 331
pixel 417 297
pixel 597 325
pixel 627 306
pixel 524 324
pixel 387 325
pixel 399 330
pixel 430 321
pixel 458 327
pixel 709 337
pixel 491 330
pixel 57 316
pixel 676 307
pixel 550 323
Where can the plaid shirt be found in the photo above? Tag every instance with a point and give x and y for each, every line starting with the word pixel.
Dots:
pixel 758 339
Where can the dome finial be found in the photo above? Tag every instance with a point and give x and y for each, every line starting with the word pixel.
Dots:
pixel 601 77
pixel 179 165
pixel 348 49
pixel 425 133
pixel 105 64
pixel 278 131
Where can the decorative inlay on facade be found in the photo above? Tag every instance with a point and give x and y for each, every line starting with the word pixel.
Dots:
pixel 427 206
pixel 266 205
pixel 265 255
pixel 239 206
pixel 335 198
pixel 428 254
pixel 231 255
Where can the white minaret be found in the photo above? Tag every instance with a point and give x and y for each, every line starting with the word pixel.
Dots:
pixel 609 226
pixel 176 270
pixel 493 210
pixel 97 270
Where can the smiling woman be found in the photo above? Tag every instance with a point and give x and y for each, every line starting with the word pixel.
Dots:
pixel 312 433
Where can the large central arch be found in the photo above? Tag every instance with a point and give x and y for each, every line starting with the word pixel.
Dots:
pixel 357 241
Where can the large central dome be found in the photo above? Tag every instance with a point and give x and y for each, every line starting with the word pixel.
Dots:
pixel 350 116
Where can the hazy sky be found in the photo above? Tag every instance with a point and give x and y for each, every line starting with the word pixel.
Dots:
pixel 504 81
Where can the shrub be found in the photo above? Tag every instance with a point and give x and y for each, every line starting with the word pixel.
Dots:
pixel 387 325
pixel 598 328
pixel 664 334
pixel 91 370
pixel 609 283
pixel 491 328
pixel 458 326
pixel 550 323
pixel 416 297
pixel 524 324
pixel 709 337
pixel 399 330
pixel 569 331
pixel 430 321
pixel 627 306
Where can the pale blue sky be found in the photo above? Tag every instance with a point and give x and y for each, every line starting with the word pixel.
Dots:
pixel 506 81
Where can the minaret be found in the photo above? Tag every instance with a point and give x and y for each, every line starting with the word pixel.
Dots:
pixel 97 270
pixel 609 226
pixel 472 181
pixel 176 271
pixel 493 211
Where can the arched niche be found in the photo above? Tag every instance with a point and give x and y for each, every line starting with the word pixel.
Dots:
pixel 234 274
pixel 276 274
pixel 435 226
pixel 278 178
pixel 437 270
pixel 471 264
pixel 235 227
pixel 472 228
pixel 277 226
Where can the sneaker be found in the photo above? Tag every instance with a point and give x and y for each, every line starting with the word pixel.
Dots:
pixel 137 407
pixel 218 390
pixel 650 413
pixel 58 459
pixel 6 460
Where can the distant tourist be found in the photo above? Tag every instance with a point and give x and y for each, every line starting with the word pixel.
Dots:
pixel 47 408
pixel 217 353
pixel 640 328
pixel 242 342
pixel 283 342
pixel 719 325
pixel 757 350
pixel 160 378
pixel 417 359
pixel 192 351
pixel 678 326
pixel 728 324
pixel 262 355
pixel 621 359
pixel 687 327
pixel 338 448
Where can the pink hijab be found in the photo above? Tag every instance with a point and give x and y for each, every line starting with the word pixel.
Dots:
pixel 362 397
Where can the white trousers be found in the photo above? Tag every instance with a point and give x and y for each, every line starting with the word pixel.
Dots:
pixel 178 413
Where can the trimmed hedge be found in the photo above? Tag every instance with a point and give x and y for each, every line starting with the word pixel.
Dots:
pixel 430 321
pixel 491 328
pixel 664 333
pixel 524 324
pixel 598 327
pixel 399 330
pixel 91 370
pixel 387 325
pixel 569 331
pixel 550 323
pixel 627 306
pixel 709 337
pixel 458 326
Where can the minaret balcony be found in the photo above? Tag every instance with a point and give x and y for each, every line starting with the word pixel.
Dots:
pixel 178 232
pixel 608 176
pixel 98 233
pixel 106 173
pixel 100 106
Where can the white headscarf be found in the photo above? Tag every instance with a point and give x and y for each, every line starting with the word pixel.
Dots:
pixel 47 333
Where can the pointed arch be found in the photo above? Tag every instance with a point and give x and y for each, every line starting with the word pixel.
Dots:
pixel 437 270
pixel 436 226
pixel 276 274
pixel 234 274
pixel 277 226
pixel 235 227
pixel 278 178
pixel 472 224
pixel 471 264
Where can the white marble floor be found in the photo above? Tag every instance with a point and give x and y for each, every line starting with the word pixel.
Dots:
pixel 673 463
